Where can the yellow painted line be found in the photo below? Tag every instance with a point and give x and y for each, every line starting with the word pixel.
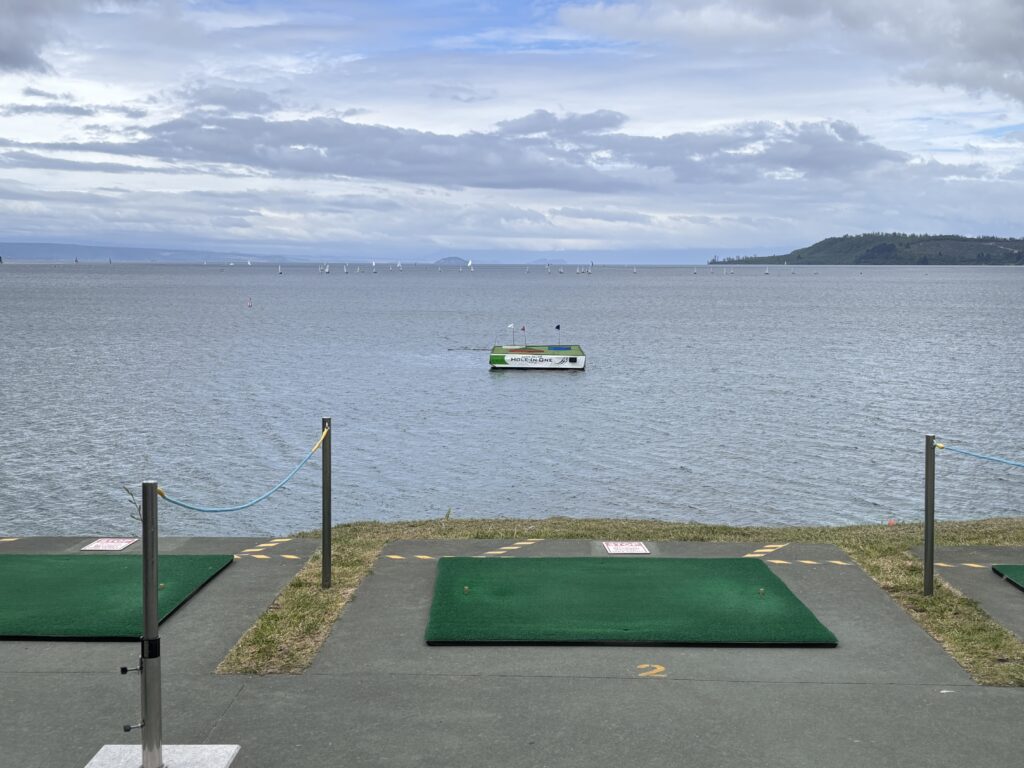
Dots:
pixel 268 544
pixel 8 539
pixel 838 562
pixel 509 548
pixel 495 552
pixel 424 557
pixel 534 541
pixel 524 543
pixel 252 550
pixel 291 557
pixel 973 565
pixel 945 565
pixel 238 557
pixel 478 556
pixel 809 562
pixel 774 546
pixel 261 557
pixel 278 541
pixel 755 554
pixel 394 557
pixel 780 562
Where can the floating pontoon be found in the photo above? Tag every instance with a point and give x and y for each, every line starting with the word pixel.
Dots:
pixel 544 356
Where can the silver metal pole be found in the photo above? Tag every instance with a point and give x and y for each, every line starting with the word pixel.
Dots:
pixel 152 716
pixel 325 523
pixel 929 514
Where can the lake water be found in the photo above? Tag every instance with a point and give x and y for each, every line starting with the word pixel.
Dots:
pixel 797 397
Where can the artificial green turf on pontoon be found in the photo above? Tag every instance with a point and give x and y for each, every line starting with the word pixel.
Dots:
pixel 630 601
pixel 92 596
pixel 1012 573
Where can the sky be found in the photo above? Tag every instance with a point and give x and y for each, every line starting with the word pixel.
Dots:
pixel 637 131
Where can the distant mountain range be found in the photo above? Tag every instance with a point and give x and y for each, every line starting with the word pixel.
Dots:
pixel 874 248
pixel 58 253
pixel 899 248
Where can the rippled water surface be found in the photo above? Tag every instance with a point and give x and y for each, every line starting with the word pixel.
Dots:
pixel 798 397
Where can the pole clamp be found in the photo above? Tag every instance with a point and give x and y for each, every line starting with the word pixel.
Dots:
pixel 151 648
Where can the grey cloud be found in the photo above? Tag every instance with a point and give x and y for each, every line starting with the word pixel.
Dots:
pixel 22 159
pixel 752 151
pixel 28 25
pixel 332 147
pixel 628 217
pixel 230 98
pixel 41 94
pixel 540 150
pixel 72 110
pixel 542 121
pixel 47 109
pixel 458 93
pixel 941 43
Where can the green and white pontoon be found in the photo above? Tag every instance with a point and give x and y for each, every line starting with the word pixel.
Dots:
pixel 556 357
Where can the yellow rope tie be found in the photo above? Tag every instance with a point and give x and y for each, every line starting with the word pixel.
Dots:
pixel 322 438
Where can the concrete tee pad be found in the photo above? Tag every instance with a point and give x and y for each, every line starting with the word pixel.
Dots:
pixel 969 571
pixel 878 642
pixel 63 699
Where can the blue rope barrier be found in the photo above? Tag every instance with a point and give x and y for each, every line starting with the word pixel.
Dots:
pixel 980 456
pixel 268 494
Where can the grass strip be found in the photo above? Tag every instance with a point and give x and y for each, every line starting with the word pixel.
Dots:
pixel 286 638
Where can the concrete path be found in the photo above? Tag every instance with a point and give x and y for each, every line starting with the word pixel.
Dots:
pixel 378 695
pixel 969 571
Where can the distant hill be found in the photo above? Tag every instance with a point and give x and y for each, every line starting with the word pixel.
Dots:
pixel 451 261
pixel 67 252
pixel 899 248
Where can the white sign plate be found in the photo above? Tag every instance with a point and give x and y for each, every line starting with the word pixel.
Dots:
pixel 625 548
pixel 109 545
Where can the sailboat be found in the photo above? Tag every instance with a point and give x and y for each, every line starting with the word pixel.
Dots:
pixel 561 271
pixel 327 269
pixel 470 265
pixel 374 263
pixel 279 270
pixel 634 270
pixel 399 266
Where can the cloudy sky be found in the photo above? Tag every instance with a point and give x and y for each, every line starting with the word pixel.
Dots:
pixel 315 127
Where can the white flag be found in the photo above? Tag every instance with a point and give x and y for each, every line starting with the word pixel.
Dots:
pixel 510 325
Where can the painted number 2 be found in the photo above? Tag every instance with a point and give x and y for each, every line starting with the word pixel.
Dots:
pixel 651 670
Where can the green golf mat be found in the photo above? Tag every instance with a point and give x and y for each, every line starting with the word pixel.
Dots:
pixel 92 596
pixel 1012 573
pixel 627 601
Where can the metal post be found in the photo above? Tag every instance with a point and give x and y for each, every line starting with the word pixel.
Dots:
pixel 152 716
pixel 325 523
pixel 929 514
